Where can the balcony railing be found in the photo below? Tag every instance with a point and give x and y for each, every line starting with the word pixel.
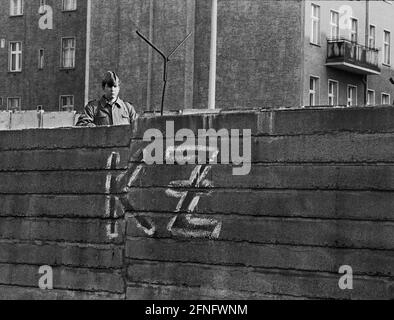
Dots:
pixel 350 56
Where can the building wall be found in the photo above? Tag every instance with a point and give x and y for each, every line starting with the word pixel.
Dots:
pixel 115 45
pixel 43 87
pixel 259 53
pixel 315 56
pixel 318 197
pixel 383 21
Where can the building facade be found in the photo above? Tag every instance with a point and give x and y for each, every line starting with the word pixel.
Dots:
pixel 42 65
pixel 270 53
pixel 348 57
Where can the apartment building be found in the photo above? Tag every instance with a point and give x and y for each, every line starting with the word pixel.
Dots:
pixel 42 54
pixel 270 53
pixel 348 57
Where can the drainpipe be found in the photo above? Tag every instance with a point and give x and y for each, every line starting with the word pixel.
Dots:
pixel 212 60
pixel 365 80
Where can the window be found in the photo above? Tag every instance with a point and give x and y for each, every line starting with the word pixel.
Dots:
pixel 41 59
pixel 387 49
pixel 332 92
pixel 15 57
pixel 354 31
pixel 66 103
pixel 372 36
pixel 351 95
pixel 14 103
pixel 385 98
pixel 68 53
pixel 334 24
pixel 69 5
pixel 314 91
pixel 16 7
pixel 315 33
pixel 371 97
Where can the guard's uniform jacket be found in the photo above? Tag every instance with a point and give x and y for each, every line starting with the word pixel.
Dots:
pixel 101 113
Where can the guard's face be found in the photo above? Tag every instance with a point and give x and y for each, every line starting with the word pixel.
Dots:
pixel 111 92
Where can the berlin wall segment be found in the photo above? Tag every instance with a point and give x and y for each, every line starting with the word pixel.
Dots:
pixel 120 222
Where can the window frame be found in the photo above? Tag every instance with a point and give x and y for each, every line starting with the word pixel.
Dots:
pixel 336 26
pixel 348 97
pixel 21 7
pixel 61 53
pixel 369 36
pixel 61 107
pixel 10 53
pixel 384 48
pixel 337 93
pixel 316 91
pixel 353 19
pixel 387 95
pixel 69 10
pixel 318 22
pixel 20 103
pixel 374 97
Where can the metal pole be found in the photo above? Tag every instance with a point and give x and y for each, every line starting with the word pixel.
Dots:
pixel 367 45
pixel 213 54
pixel 87 53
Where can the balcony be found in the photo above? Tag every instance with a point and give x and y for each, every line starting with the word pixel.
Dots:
pixel 352 57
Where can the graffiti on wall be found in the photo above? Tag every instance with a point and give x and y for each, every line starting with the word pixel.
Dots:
pixel 185 223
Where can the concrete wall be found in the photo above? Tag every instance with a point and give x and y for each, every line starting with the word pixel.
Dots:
pixel 32 119
pixel 319 196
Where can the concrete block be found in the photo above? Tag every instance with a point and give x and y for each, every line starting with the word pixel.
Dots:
pixel 66 138
pixel 77 230
pixel 55 206
pixel 59 254
pixel 58 119
pixel 56 182
pixel 362 205
pixel 276 176
pixel 328 120
pixel 275 282
pixel 227 120
pixel 364 262
pixel 139 291
pixel 289 231
pixel 61 159
pixel 63 278
pixel 5 120
pixel 28 293
pixel 25 120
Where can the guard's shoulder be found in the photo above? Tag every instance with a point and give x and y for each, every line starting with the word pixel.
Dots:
pixel 92 105
pixel 93 102
pixel 128 105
